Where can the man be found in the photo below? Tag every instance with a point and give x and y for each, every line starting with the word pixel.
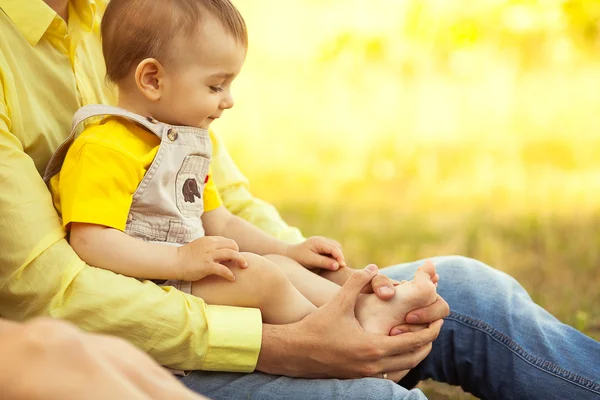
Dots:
pixel 495 343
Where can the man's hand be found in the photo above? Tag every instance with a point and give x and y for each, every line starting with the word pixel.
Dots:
pixel 69 364
pixel 204 256
pixel 329 343
pixel 317 252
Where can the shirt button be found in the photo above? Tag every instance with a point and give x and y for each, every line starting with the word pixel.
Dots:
pixel 172 134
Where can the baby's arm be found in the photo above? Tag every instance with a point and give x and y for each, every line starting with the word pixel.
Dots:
pixel 220 222
pixel 116 251
pixel 315 252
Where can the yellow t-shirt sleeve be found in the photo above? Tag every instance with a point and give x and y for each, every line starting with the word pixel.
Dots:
pixel 102 171
pixel 97 185
pixel 212 199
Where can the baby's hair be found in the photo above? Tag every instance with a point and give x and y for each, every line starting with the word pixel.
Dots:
pixel 133 30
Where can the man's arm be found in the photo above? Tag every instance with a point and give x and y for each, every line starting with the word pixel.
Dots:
pixel 40 275
pixel 312 348
pixel 70 364
pixel 237 198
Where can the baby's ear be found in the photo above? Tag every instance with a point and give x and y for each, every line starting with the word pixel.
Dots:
pixel 148 78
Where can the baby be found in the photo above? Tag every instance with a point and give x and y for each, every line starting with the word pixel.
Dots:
pixel 135 189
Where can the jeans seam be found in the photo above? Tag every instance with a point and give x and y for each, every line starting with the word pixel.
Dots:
pixel 537 362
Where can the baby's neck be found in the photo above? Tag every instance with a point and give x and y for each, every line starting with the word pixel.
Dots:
pixel 133 103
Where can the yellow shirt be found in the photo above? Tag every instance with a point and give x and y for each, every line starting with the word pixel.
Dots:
pixel 102 170
pixel 48 70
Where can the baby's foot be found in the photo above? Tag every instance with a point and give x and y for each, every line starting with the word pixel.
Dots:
pixel 378 316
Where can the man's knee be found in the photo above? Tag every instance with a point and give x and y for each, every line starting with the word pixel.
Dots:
pixel 474 281
pixel 464 270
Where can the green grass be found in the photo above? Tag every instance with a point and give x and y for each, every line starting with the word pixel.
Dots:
pixel 555 258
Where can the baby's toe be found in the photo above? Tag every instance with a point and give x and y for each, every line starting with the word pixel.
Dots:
pixel 429 269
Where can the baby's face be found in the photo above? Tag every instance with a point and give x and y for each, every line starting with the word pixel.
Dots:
pixel 198 82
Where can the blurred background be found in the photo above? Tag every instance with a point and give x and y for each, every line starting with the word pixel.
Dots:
pixel 413 128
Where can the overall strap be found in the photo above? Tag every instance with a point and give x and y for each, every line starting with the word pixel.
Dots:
pixel 85 113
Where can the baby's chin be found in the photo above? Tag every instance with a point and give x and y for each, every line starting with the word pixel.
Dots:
pixel 206 123
pixel 195 124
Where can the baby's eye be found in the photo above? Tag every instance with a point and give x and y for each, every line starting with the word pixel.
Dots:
pixel 216 89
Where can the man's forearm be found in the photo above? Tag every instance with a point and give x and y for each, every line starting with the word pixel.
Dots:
pixel 279 345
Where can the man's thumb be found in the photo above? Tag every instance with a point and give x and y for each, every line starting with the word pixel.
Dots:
pixel 348 294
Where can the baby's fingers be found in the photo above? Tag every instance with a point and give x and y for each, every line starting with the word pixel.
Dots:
pixel 222 271
pixel 336 252
pixel 230 255
pixel 330 256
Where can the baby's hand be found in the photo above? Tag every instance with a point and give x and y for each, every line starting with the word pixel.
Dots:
pixel 203 257
pixel 318 252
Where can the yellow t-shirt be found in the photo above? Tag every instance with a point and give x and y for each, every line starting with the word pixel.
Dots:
pixel 102 170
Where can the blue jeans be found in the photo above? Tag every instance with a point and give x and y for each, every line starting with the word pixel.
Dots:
pixel 496 344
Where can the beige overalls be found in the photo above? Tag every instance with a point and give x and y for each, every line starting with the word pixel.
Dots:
pixel 167 205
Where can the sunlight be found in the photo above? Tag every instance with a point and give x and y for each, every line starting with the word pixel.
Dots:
pixel 496 101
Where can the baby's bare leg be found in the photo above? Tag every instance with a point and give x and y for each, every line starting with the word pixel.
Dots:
pixel 262 285
pixel 315 288
pixel 374 315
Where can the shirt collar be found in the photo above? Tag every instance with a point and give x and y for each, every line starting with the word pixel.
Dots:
pixel 35 17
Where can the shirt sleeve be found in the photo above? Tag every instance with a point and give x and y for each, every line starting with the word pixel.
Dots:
pixel 212 198
pixel 237 198
pixel 42 275
pixel 96 185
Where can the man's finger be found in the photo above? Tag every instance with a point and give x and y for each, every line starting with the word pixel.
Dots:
pixel 404 328
pixel 433 312
pixel 230 255
pixel 369 288
pixel 383 287
pixel 405 361
pixel 346 297
pixel 410 341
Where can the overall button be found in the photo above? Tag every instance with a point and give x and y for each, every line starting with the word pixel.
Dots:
pixel 172 134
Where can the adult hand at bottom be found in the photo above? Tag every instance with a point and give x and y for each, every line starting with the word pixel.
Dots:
pixel 396 376
pixel 49 359
pixel 330 343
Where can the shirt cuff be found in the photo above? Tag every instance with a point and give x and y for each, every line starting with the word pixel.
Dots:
pixel 235 336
